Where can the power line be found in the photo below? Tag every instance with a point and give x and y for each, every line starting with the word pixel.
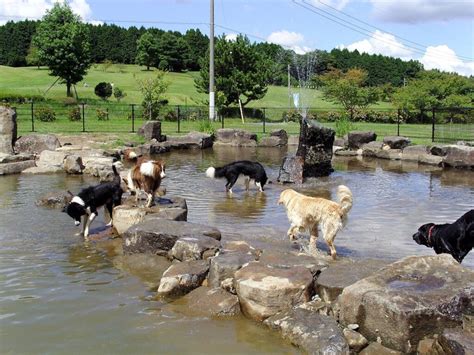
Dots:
pixel 359 29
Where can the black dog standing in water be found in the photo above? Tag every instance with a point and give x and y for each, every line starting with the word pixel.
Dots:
pixel 456 238
pixel 86 203
pixel 251 170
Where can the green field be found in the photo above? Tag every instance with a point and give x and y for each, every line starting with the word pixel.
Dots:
pixel 34 81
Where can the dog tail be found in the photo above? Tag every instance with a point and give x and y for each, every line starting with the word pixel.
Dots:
pixel 116 173
pixel 344 195
pixel 215 173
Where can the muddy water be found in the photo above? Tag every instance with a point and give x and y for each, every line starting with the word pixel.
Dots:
pixel 59 295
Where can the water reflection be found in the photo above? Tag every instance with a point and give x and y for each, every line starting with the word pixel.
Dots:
pixel 246 205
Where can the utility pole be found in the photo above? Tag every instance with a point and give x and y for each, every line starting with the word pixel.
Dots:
pixel 289 89
pixel 211 65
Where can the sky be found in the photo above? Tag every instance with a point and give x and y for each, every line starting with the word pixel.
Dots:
pixel 438 33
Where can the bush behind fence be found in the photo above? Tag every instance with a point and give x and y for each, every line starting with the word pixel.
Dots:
pixel 443 125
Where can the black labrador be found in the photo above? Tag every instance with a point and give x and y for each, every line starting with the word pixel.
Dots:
pixel 455 238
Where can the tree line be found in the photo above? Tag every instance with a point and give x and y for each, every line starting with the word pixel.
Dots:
pixel 176 51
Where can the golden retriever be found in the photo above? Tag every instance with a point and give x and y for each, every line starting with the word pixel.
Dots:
pixel 307 213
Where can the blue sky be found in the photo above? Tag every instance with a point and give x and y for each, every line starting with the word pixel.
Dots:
pixel 439 33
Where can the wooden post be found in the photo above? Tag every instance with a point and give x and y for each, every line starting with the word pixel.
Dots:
pixel 133 118
pixel 83 118
pixel 32 117
pixel 432 125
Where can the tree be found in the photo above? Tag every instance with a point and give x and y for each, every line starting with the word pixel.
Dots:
pixel 119 94
pixel 147 50
pixel 198 44
pixel 103 90
pixel 348 89
pixel 63 46
pixel 32 57
pixel 240 71
pixel 173 52
pixel 153 90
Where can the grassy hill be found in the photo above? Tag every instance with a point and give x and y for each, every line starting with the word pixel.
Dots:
pixel 34 81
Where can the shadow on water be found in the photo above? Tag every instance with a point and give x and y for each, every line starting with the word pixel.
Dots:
pixel 87 297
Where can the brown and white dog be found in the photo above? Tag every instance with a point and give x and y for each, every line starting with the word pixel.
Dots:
pixel 146 176
pixel 307 213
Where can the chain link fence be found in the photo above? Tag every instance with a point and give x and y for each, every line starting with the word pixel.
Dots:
pixel 436 125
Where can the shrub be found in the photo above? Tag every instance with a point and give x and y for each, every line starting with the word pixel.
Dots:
pixel 119 94
pixel 171 116
pixel 291 116
pixel 45 114
pixel 102 115
pixel 103 90
pixel 193 116
pixel 206 126
pixel 74 114
pixel 19 98
pixel 343 126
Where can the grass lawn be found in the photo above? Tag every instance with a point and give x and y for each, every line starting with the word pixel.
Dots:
pixel 34 81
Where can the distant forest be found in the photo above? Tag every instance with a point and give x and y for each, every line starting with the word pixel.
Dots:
pixel 184 52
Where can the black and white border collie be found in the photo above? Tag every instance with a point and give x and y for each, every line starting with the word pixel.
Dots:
pixel 86 203
pixel 251 170
pixel 146 176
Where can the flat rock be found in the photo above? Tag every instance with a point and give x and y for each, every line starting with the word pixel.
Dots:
pixel 225 265
pixel 195 247
pixel 396 142
pixel 287 260
pixel 192 140
pixel 391 154
pixel 183 277
pixel 15 158
pixel 430 159
pixel 371 149
pixel 264 291
pixel 158 236
pixel 378 349
pixel 127 215
pixel 235 138
pixel 16 167
pixel 398 302
pixel 413 152
pixel 459 156
pixel 332 280
pixel 208 302
pixel 35 170
pixel 55 200
pixel 314 333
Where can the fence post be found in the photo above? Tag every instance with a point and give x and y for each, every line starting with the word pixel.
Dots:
pixel 83 117
pixel 133 118
pixel 222 120
pixel 179 122
pixel 432 125
pixel 264 120
pixel 32 117
pixel 398 122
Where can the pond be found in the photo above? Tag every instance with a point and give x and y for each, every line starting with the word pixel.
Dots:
pixel 60 295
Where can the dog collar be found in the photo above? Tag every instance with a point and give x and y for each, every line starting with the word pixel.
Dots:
pixel 78 200
pixel 430 231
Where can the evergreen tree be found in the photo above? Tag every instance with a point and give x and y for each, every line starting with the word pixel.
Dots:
pixel 198 44
pixel 147 50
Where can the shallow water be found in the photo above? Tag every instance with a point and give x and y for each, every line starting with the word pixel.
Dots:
pixel 60 295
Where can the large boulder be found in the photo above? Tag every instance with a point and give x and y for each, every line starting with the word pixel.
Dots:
pixel 414 152
pixel 371 149
pixel 209 302
pixel 98 166
pixel 312 332
pixel 264 291
pixel 291 170
pixel 333 280
pixel 127 215
pixel 195 247
pixel 356 139
pixel 277 138
pixel 158 236
pixel 456 341
pixel 225 265
pixel 36 143
pixel 183 277
pixel 8 130
pixel 459 156
pixel 235 138
pixel 315 147
pixel 49 158
pixel 197 140
pixel 73 164
pixel 396 142
pixel 408 300
pixel 151 130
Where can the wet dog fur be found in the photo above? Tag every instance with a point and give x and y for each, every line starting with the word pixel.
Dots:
pixel 307 213
pixel 145 176
pixel 455 238
pixel 86 203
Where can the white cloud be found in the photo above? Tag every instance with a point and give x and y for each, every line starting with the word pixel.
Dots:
pixel 381 43
pixel 36 9
pixel 417 11
pixel 444 58
pixel 289 40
